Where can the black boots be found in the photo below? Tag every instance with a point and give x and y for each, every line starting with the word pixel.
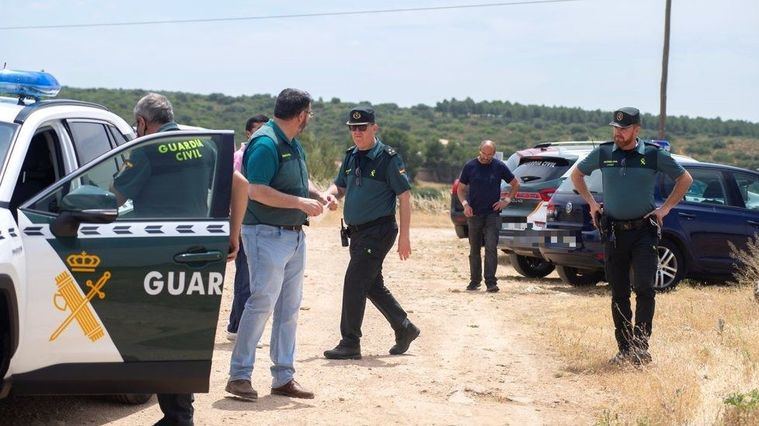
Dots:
pixel 404 337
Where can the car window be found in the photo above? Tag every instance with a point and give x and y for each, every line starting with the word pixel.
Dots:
pixel 748 186
pixel 513 161
pixel 6 135
pixel 538 169
pixel 90 140
pixel 116 135
pixel 594 182
pixel 708 187
pixel 168 178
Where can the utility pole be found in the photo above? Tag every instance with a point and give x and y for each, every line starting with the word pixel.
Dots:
pixel 664 72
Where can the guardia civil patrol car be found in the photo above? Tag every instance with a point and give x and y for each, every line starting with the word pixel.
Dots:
pixel 97 297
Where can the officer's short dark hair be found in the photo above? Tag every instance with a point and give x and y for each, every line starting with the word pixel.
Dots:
pixel 290 103
pixel 154 108
pixel 260 118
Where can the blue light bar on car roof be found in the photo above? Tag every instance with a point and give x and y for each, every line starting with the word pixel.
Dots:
pixel 663 144
pixel 28 84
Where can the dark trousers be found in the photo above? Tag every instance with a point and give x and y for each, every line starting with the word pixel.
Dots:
pixel 632 257
pixel 363 279
pixel 242 289
pixel 483 228
pixel 177 409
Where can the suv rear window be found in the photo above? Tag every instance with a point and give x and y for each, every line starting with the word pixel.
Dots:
pixel 594 183
pixel 539 169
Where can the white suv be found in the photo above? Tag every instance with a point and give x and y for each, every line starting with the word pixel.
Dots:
pixel 94 298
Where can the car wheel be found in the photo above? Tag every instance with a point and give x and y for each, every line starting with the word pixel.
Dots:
pixel 133 398
pixel 671 267
pixel 462 231
pixel 579 277
pixel 532 267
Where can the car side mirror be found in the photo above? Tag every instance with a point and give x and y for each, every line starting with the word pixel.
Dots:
pixel 86 204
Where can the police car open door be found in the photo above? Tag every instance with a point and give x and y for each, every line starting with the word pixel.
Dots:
pixel 125 266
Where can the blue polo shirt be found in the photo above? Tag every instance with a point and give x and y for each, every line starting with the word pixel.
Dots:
pixel 484 182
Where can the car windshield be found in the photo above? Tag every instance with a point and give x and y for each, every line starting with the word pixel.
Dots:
pixel 7 130
pixel 538 169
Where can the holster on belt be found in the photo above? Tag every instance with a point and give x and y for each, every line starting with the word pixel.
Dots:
pixel 605 225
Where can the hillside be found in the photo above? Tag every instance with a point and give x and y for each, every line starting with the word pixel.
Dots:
pixel 416 131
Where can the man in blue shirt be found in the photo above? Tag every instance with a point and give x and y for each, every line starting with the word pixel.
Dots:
pixel 480 193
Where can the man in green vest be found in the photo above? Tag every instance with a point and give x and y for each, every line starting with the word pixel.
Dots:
pixel 281 199
pixel 633 223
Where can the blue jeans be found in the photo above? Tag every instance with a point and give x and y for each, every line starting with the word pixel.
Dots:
pixel 276 286
pixel 242 289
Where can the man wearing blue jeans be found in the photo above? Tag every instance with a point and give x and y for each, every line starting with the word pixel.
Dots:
pixel 281 197
pixel 480 193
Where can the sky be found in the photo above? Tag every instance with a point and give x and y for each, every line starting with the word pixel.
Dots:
pixel 593 54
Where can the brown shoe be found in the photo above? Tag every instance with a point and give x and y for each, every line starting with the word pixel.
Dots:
pixel 242 389
pixel 292 389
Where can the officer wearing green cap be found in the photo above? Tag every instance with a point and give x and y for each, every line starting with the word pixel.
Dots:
pixel 632 223
pixel 371 177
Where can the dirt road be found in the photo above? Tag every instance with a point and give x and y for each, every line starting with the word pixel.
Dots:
pixel 477 360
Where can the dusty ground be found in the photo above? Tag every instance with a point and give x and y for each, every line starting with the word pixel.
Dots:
pixel 477 360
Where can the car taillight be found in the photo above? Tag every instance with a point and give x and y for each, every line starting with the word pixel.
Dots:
pixel 455 187
pixel 527 196
pixel 545 194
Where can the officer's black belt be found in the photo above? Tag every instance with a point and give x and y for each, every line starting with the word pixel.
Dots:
pixel 286 227
pixel 375 222
pixel 627 225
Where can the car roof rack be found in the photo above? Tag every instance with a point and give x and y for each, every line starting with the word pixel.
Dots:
pixel 29 109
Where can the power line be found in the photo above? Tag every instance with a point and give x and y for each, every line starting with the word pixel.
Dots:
pixel 291 16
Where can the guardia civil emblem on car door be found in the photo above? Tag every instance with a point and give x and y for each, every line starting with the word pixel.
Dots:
pixel 70 298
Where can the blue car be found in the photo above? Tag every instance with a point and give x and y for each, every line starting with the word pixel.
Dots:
pixel 721 207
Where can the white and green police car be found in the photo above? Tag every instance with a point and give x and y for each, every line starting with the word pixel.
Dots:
pixel 97 297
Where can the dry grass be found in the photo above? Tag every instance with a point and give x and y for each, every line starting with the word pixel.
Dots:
pixel 705 347
pixel 748 273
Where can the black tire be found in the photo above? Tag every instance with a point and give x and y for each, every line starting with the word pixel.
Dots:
pixel 671 266
pixel 579 277
pixel 462 231
pixel 133 398
pixel 531 267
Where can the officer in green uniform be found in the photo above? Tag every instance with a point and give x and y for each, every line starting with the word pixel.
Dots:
pixel 159 178
pixel 156 179
pixel 371 177
pixel 632 223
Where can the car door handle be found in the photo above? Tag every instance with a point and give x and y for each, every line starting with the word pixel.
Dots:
pixel 687 215
pixel 205 257
pixel 753 222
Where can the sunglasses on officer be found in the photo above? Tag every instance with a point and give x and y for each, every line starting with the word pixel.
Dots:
pixel 358 127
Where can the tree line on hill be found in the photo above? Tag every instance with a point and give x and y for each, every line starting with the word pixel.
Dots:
pixel 441 138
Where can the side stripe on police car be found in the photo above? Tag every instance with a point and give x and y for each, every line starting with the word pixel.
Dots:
pixel 145 229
